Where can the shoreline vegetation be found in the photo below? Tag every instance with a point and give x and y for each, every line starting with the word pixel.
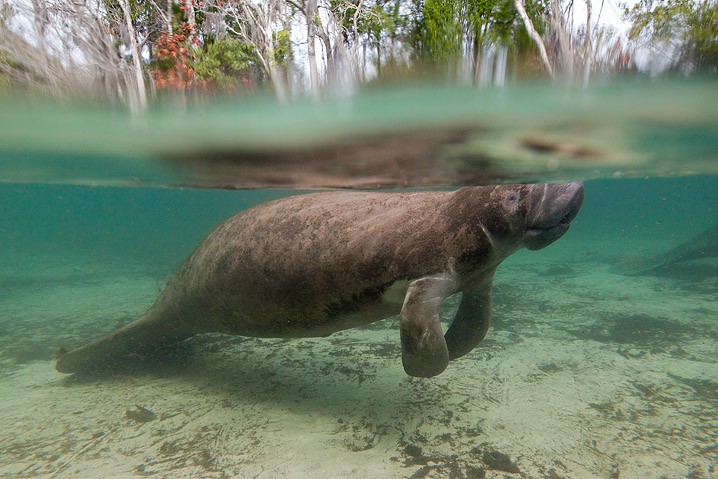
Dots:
pixel 133 52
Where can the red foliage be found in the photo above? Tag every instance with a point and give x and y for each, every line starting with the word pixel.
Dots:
pixel 173 61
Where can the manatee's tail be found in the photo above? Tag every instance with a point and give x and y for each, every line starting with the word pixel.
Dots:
pixel 129 344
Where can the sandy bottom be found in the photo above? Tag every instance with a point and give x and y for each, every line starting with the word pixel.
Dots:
pixel 584 374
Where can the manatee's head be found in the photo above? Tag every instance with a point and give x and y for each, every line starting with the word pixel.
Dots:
pixel 551 207
pixel 534 216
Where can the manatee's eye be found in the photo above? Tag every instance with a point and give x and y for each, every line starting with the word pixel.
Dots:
pixel 511 201
pixel 512 197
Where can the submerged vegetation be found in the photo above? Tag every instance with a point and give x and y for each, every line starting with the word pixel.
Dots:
pixel 132 50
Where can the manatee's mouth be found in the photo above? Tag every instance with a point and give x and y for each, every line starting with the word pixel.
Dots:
pixel 561 225
pixel 540 237
pixel 552 225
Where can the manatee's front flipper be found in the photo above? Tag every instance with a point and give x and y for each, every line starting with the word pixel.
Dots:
pixel 472 319
pixel 423 348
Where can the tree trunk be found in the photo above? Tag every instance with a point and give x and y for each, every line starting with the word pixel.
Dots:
pixel 534 36
pixel 280 87
pixel 355 45
pixel 138 100
pixel 587 46
pixel 500 68
pixel 476 45
pixel 189 13
pixel 561 43
pixel 378 55
pixel 328 52
pixel 363 63
pixel 310 11
pixel 269 60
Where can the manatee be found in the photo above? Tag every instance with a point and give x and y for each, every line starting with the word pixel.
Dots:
pixel 703 245
pixel 313 264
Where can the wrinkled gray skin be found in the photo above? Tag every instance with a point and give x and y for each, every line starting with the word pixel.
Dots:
pixel 315 264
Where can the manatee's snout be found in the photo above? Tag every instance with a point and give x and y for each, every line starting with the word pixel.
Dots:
pixel 551 209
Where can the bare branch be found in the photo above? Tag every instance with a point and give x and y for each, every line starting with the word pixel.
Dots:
pixel 534 36
pixel 69 52
pixel 587 46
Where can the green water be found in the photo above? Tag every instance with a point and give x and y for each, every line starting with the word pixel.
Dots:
pixel 97 210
